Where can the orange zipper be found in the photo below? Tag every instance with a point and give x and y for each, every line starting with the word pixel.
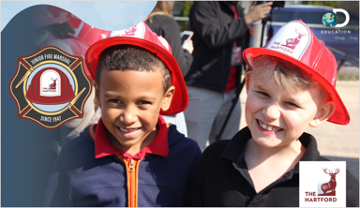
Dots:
pixel 132 175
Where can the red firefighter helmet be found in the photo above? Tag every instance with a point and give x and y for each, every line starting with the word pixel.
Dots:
pixel 297 44
pixel 90 34
pixel 142 36
pixel 50 86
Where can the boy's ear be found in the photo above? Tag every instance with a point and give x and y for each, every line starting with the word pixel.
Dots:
pixel 248 80
pixel 167 98
pixel 322 115
pixel 97 95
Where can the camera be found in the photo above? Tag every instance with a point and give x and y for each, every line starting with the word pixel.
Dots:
pixel 279 4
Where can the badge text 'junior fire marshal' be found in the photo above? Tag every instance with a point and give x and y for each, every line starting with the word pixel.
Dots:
pixel 50 87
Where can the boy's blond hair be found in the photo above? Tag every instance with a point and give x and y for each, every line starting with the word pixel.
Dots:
pixel 311 56
pixel 287 75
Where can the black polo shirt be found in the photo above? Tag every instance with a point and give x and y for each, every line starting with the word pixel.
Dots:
pixel 223 178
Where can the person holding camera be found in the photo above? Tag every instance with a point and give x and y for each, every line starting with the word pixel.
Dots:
pixel 161 22
pixel 220 31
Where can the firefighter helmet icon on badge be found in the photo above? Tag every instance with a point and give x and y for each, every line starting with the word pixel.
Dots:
pixel 50 86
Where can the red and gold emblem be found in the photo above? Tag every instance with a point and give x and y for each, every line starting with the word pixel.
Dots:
pixel 50 87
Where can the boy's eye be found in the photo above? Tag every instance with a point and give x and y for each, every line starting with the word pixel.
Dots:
pixel 292 104
pixel 115 101
pixel 263 93
pixel 143 102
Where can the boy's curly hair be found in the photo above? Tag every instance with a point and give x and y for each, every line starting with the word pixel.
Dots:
pixel 129 57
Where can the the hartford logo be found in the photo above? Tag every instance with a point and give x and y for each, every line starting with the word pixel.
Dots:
pixel 322 184
pixel 329 20
pixel 292 39
pixel 292 42
pixel 331 185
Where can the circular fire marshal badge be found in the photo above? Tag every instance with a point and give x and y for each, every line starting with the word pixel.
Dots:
pixel 50 87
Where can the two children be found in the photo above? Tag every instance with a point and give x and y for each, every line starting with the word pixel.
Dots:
pixel 291 84
pixel 131 157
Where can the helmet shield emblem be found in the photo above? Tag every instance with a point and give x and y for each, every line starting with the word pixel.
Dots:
pixel 50 87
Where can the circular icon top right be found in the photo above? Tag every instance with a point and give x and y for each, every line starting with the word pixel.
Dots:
pixel 329 19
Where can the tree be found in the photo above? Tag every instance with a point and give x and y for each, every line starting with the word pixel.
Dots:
pixel 321 3
pixel 185 12
pixel 185 9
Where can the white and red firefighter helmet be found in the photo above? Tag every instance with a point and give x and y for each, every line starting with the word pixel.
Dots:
pixel 142 36
pixel 296 43
pixel 50 86
pixel 90 34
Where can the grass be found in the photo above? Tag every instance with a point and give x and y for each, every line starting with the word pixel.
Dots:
pixel 348 76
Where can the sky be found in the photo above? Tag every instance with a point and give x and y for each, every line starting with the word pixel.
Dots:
pixel 106 15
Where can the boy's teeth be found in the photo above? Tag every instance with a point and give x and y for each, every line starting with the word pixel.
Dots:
pixel 127 130
pixel 269 128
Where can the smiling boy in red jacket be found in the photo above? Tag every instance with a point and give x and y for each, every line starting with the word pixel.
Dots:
pixel 132 157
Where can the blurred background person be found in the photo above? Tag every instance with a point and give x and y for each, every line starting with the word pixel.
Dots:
pixel 74 41
pixel 161 22
pixel 221 32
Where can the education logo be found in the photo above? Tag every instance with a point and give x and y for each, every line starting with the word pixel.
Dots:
pixel 329 19
pixel 50 87
pixel 322 184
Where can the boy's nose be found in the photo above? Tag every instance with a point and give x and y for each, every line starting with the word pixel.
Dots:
pixel 128 116
pixel 271 112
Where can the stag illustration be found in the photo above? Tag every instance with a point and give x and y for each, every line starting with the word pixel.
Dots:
pixel 331 185
pixel 292 42
pixel 131 31
pixel 53 85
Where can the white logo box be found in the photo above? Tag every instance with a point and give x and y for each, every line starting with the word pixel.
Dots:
pixel 312 176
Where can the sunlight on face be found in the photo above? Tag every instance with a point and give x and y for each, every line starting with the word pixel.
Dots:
pixel 130 104
pixel 278 117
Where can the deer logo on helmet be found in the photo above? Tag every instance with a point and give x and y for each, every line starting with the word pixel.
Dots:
pixel 53 85
pixel 131 31
pixel 292 42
